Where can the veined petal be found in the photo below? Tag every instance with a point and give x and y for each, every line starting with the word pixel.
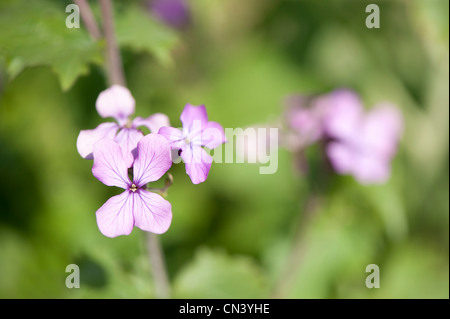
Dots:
pixel 194 118
pixel 128 139
pixel 198 163
pixel 115 217
pixel 151 212
pixel 116 102
pixel 110 167
pixel 173 135
pixel 87 138
pixel 153 122
pixel 153 159
pixel 213 135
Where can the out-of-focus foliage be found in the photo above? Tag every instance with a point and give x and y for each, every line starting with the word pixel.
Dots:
pixel 232 235
pixel 34 33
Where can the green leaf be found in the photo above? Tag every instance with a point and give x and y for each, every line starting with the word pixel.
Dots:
pixel 213 274
pixel 138 31
pixel 34 33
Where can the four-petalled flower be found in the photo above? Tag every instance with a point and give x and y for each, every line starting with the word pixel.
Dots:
pixel 135 206
pixel 117 102
pixel 197 132
pixel 362 144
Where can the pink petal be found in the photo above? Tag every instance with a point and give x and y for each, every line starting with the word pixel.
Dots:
pixel 173 135
pixel 116 102
pixel 382 129
pixel 343 115
pixel 213 135
pixel 153 122
pixel 128 139
pixel 194 118
pixel 151 212
pixel 153 159
pixel 342 158
pixel 87 138
pixel 198 163
pixel 109 166
pixel 306 123
pixel 371 170
pixel 115 217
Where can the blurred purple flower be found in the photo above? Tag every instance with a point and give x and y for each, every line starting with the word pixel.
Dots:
pixel 117 102
pixel 197 132
pixel 362 144
pixel 135 206
pixel 304 123
pixel 174 13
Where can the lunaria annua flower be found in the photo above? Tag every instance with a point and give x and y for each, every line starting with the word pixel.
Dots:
pixel 303 121
pixel 135 206
pixel 357 142
pixel 117 102
pixel 197 132
pixel 362 143
pixel 174 13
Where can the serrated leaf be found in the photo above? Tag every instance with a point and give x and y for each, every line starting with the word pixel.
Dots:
pixel 213 274
pixel 139 31
pixel 34 33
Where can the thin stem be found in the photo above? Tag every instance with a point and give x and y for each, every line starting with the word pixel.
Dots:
pixel 163 190
pixel 298 251
pixel 114 61
pixel 162 287
pixel 116 76
pixel 88 19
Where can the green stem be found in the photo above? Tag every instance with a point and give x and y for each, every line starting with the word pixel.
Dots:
pixel 298 251
pixel 160 277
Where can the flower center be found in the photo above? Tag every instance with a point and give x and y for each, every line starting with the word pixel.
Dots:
pixel 128 124
pixel 133 187
pixel 187 140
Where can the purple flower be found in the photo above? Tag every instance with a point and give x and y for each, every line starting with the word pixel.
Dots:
pixel 362 144
pixel 135 206
pixel 174 13
pixel 117 102
pixel 304 123
pixel 197 132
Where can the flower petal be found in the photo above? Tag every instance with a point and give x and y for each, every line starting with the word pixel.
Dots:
pixel 109 166
pixel 116 102
pixel 87 138
pixel 198 163
pixel 151 212
pixel 128 139
pixel 173 135
pixel 371 170
pixel 341 157
pixel 213 135
pixel 343 115
pixel 153 122
pixel 115 217
pixel 175 13
pixel 194 118
pixel 153 159
pixel 383 126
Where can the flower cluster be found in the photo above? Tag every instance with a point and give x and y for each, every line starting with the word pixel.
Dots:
pixel 120 149
pixel 356 142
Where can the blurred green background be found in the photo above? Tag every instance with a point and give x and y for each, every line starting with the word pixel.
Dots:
pixel 232 236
